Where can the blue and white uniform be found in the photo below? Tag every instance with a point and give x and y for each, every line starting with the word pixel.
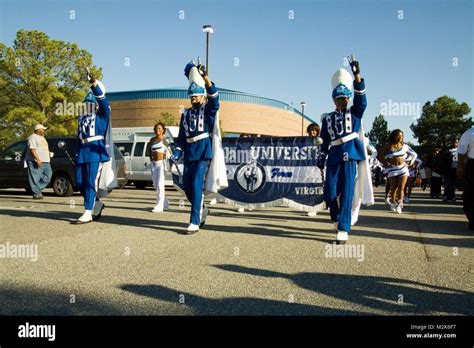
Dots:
pixel 91 150
pixel 343 147
pixel 412 170
pixel 194 140
pixel 405 152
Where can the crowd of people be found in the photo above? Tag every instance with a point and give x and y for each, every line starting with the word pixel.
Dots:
pixel 344 147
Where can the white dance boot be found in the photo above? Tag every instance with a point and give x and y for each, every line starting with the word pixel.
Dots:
pixel 85 218
pixel 342 237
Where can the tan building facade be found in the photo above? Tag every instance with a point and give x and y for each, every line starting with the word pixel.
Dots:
pixel 239 112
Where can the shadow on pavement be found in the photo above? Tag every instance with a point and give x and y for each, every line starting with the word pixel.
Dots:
pixel 269 230
pixel 381 293
pixel 444 228
pixel 34 301
pixel 404 224
pixel 232 306
pixel 118 220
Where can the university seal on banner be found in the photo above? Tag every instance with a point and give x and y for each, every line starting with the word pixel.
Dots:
pixel 250 177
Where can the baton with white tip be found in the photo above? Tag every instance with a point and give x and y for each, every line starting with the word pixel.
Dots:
pixel 208 29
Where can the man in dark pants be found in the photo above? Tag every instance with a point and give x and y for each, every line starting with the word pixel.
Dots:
pixel 465 171
pixel 434 163
pixel 450 177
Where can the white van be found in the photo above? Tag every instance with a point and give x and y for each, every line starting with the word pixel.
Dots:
pixel 133 143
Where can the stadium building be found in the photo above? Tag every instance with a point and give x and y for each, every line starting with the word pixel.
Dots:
pixel 239 112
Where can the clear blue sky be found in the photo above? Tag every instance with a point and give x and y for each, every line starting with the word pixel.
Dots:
pixel 407 60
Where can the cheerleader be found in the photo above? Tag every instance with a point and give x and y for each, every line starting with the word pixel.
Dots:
pixel 157 151
pixel 397 157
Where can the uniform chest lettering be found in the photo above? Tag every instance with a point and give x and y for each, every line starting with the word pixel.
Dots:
pixel 87 125
pixel 194 121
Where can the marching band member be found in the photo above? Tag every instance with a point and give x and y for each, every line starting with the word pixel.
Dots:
pixel 194 141
pixel 94 167
pixel 340 129
pixel 465 171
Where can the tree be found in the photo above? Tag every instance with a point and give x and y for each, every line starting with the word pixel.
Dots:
pixel 440 122
pixel 167 119
pixel 379 133
pixel 37 75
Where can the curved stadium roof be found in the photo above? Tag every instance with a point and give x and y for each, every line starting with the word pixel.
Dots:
pixel 182 93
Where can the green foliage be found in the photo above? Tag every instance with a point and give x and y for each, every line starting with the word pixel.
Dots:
pixel 37 74
pixel 440 122
pixel 167 119
pixel 379 133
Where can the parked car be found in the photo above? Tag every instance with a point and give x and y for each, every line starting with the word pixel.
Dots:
pixel 133 144
pixel 14 174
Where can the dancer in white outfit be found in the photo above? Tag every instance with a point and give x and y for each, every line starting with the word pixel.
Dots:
pixel 157 151
pixel 397 158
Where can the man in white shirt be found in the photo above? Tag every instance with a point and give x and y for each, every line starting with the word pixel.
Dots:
pixel 38 162
pixel 465 170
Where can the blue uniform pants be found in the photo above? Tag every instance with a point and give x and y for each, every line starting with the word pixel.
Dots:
pixel 340 183
pixel 87 180
pixel 193 183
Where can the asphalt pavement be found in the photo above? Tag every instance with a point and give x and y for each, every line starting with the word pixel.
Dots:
pixel 274 261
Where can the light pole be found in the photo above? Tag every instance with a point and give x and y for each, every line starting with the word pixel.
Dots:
pixel 302 117
pixel 208 29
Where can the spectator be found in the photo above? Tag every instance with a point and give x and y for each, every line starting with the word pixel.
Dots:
pixel 38 162
pixel 313 130
pixel 434 163
pixel 450 177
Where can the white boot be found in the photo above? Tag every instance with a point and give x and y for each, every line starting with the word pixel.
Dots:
pixel 85 218
pixel 342 237
pixel 241 210
pixel 393 206
pixel 192 229
pixel 213 201
pixel 311 213
pixel 157 209
pixel 399 208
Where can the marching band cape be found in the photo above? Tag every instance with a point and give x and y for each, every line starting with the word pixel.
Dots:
pixel 363 189
pixel 108 174
pixel 216 178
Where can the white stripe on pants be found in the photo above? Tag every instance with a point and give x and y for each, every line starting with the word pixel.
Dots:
pixel 158 177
